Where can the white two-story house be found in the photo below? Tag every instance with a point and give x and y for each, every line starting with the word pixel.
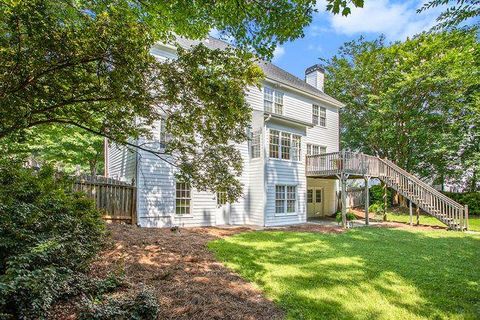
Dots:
pixel 291 118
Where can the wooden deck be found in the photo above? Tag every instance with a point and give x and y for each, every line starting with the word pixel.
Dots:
pixel 345 165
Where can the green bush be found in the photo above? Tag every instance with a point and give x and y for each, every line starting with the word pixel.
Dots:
pixel 376 208
pixel 143 306
pixel 376 195
pixel 48 236
pixel 350 216
pixel 472 199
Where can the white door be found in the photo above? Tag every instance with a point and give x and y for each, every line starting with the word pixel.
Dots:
pixel 315 202
pixel 223 210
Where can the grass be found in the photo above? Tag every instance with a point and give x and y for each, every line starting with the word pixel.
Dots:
pixel 365 273
pixel 402 216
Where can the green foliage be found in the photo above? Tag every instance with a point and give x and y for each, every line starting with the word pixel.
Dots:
pixel 472 199
pixel 350 216
pixel 458 12
pixel 414 102
pixel 48 236
pixel 376 207
pixel 364 273
pixel 67 146
pixel 376 195
pixel 143 306
pixel 88 64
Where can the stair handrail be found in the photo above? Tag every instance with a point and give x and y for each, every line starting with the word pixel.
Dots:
pixel 422 183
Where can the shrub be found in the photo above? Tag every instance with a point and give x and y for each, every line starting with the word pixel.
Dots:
pixel 143 306
pixel 376 195
pixel 48 236
pixel 472 199
pixel 350 216
pixel 376 208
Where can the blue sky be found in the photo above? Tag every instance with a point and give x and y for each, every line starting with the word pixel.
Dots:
pixel 396 19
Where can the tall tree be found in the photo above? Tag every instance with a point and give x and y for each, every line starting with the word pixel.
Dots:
pixel 87 63
pixel 457 12
pixel 410 101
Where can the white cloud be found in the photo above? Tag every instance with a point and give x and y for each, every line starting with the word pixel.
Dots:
pixel 278 53
pixel 396 20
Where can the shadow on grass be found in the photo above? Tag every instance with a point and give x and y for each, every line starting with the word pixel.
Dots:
pixel 366 273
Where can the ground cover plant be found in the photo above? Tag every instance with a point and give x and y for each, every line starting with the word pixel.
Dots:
pixel 48 236
pixel 364 273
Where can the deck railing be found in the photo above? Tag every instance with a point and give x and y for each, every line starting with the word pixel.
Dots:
pixel 342 162
pixel 423 195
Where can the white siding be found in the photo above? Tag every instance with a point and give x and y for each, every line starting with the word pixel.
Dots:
pixel 156 180
pixel 285 172
pixel 121 162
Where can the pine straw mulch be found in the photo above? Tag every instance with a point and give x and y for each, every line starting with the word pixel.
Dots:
pixel 184 275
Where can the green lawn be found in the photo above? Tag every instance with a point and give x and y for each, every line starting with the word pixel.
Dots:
pixel 365 273
pixel 474 221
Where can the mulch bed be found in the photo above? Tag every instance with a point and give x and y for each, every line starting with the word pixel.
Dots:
pixel 184 275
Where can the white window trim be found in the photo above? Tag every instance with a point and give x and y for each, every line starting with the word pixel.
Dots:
pixel 280 146
pixel 320 108
pixel 273 101
pixel 316 145
pixel 297 202
pixel 186 215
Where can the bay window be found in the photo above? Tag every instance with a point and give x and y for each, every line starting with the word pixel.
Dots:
pixel 284 145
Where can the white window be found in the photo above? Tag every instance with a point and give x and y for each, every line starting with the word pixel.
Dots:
pixel 273 101
pixel 284 145
pixel 323 117
pixel 285 199
pixel 296 147
pixel 313 149
pixel 221 198
pixel 164 136
pixel 274 145
pixel 315 114
pixel 183 198
pixel 255 144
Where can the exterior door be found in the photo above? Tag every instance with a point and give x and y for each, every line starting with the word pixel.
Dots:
pixel 223 210
pixel 314 202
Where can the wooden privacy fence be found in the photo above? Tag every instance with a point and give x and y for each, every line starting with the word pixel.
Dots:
pixel 117 199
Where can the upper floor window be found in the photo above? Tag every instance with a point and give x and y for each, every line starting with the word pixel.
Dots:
pixel 273 101
pixel 313 149
pixel 319 115
pixel 284 145
pixel 255 144
pixel 164 136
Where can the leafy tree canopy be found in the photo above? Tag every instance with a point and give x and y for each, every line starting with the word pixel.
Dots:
pixel 415 102
pixel 87 64
pixel 458 12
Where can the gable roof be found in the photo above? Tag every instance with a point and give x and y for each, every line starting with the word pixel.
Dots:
pixel 271 71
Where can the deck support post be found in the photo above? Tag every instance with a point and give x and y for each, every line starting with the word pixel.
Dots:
pixel 343 181
pixel 410 211
pixel 384 186
pixel 367 200
pixel 418 215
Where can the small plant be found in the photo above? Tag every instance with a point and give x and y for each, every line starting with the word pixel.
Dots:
pixel 350 216
pixel 143 306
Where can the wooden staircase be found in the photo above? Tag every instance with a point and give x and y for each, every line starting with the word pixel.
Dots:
pixel 356 165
